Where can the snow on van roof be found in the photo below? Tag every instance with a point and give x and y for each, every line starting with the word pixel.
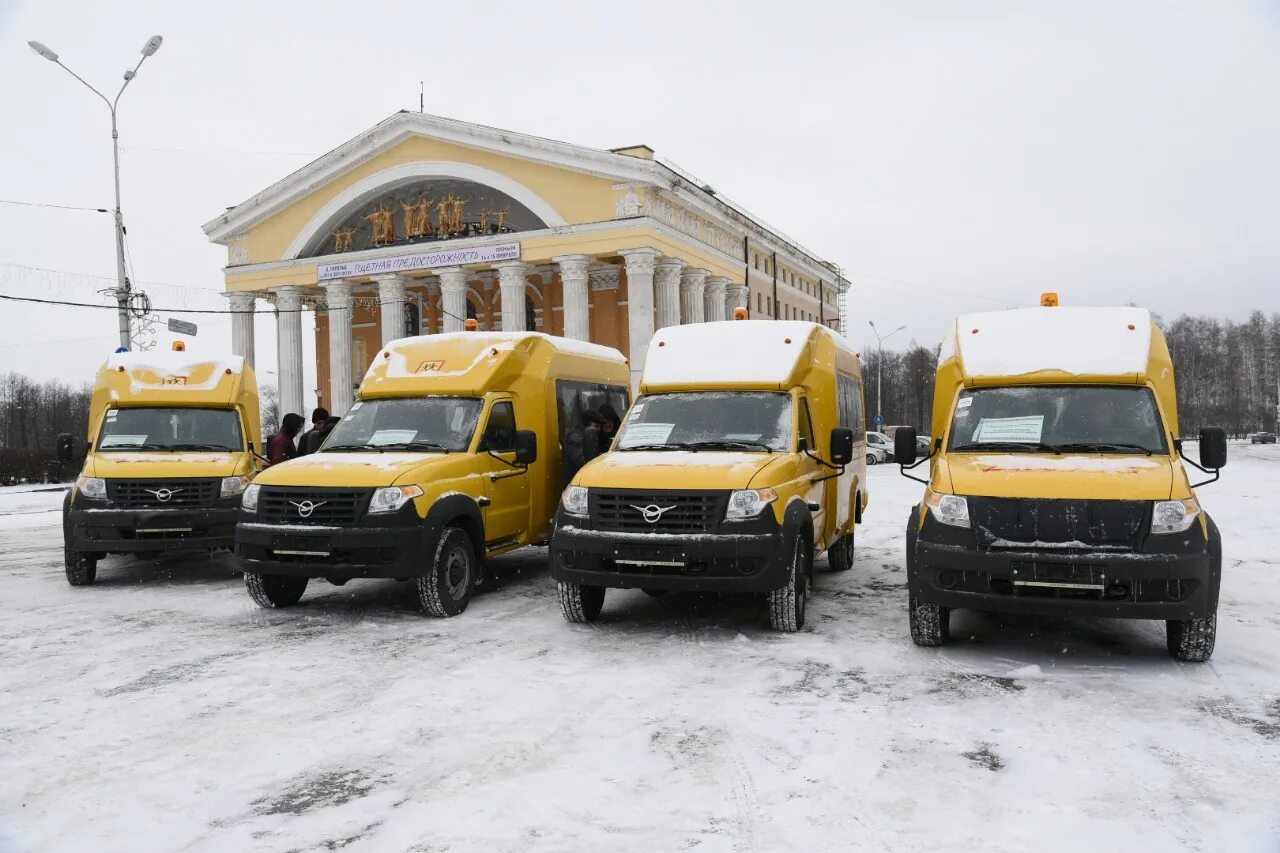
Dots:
pixel 567 345
pixel 172 361
pixel 1076 340
pixel 758 352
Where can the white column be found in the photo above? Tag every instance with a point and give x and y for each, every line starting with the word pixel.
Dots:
pixel 666 292
pixel 391 300
pixel 574 273
pixel 453 297
pixel 337 295
pixel 735 297
pixel 693 285
pixel 289 348
pixel 511 283
pixel 242 323
pixel 713 304
pixel 640 264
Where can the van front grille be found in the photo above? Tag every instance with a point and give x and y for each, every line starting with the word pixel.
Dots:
pixel 1010 522
pixel 160 494
pixel 304 505
pixel 671 512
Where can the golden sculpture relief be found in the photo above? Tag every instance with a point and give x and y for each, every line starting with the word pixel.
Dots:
pixel 417 218
pixel 343 239
pixel 502 218
pixel 383 222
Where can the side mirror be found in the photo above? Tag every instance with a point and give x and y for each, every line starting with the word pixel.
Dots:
pixel 905 449
pixel 841 445
pixel 1213 448
pixel 526 447
pixel 65 447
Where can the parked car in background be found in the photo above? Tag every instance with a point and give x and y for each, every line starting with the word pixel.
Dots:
pixel 924 444
pixel 879 448
pixel 1263 438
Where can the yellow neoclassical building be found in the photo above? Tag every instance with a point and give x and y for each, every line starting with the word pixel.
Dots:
pixel 423 222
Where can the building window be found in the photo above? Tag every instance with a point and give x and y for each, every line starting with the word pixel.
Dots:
pixel 530 318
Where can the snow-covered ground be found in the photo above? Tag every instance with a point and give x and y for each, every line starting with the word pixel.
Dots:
pixel 160 709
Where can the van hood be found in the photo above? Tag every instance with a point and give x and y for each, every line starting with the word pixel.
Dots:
pixel 1095 476
pixel 121 464
pixel 674 469
pixel 347 469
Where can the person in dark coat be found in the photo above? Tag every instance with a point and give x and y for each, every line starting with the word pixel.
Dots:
pixel 280 446
pixel 580 444
pixel 313 438
pixel 308 443
pixel 609 423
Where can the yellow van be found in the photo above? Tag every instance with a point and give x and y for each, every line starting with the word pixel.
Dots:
pixel 1055 486
pixel 435 468
pixel 742 459
pixel 172 444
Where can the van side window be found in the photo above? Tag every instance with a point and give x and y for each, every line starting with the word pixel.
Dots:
pixel 850 399
pixel 580 406
pixel 806 425
pixel 500 434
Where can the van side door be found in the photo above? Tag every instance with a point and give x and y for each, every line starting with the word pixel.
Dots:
pixel 506 518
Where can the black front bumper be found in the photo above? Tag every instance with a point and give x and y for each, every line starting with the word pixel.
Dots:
pixel 105 529
pixel 746 557
pixel 1176 577
pixel 399 547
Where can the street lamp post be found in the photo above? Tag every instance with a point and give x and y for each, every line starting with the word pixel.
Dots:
pixel 880 366
pixel 123 289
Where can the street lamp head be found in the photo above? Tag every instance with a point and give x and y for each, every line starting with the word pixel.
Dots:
pixel 152 45
pixel 128 74
pixel 43 51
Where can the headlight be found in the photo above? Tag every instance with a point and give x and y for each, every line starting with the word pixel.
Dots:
pixel 249 500
pixel 232 486
pixel 1174 516
pixel 748 503
pixel 92 487
pixel 574 500
pixel 391 498
pixel 948 509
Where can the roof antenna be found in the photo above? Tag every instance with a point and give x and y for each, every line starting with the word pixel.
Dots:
pixel 421 97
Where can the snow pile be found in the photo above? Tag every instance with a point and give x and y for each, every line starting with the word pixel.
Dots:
pixel 1080 341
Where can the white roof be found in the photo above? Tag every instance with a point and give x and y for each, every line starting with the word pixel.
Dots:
pixel 1076 340
pixel 172 362
pixel 507 340
pixel 758 352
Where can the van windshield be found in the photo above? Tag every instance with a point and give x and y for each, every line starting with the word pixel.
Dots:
pixel 172 429
pixel 422 424
pixel 1058 418
pixel 713 420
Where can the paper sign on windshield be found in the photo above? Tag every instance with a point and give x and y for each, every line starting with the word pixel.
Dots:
pixel 392 436
pixel 638 434
pixel 122 440
pixel 1027 428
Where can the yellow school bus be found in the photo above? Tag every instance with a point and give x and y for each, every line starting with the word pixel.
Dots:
pixel 1055 485
pixel 172 444
pixel 451 454
pixel 742 458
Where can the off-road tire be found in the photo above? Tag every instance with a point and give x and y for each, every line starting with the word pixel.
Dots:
pixel 1191 640
pixel 930 623
pixel 788 603
pixel 274 591
pixel 581 603
pixel 81 567
pixel 840 555
pixel 445 590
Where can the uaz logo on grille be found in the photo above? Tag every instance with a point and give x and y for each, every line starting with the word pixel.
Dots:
pixel 305 508
pixel 163 495
pixel 652 513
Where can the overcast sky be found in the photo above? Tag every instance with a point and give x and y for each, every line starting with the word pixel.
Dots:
pixel 952 157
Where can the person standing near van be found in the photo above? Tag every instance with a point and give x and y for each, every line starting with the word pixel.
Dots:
pixel 609 423
pixel 311 439
pixel 581 444
pixel 280 447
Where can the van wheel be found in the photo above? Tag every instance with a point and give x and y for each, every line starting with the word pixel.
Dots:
pixel 930 623
pixel 841 553
pixel 1191 640
pixel 871 459
pixel 273 591
pixel 787 604
pixel 81 567
pixel 445 590
pixel 581 603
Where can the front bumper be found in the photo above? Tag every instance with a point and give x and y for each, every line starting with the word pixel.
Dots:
pixel 89 528
pixel 400 547
pixel 1177 583
pixel 757 559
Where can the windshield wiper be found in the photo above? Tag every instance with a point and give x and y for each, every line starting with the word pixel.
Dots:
pixel 202 447
pixel 350 448
pixel 143 446
pixel 734 444
pixel 1029 446
pixel 416 444
pixel 1104 446
pixel 667 445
